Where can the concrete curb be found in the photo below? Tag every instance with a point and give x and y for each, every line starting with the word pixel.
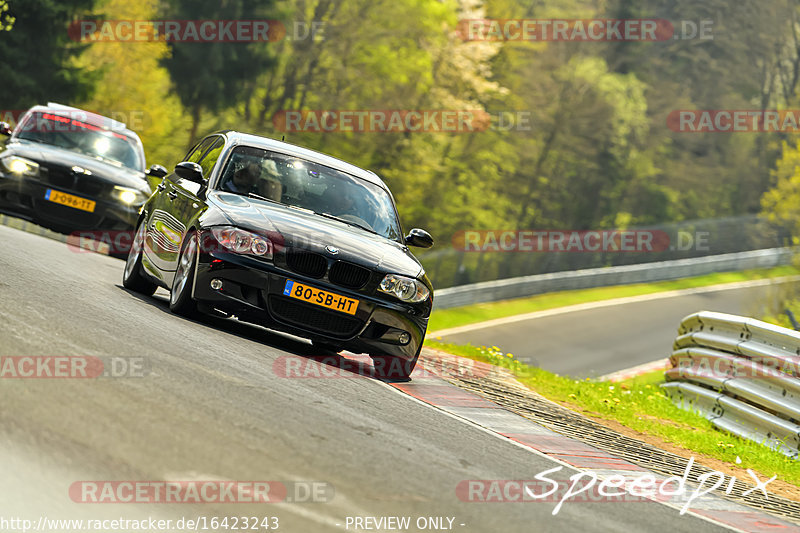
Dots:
pixel 577 455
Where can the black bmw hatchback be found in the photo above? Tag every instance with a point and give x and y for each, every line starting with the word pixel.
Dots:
pixel 288 238
pixel 72 170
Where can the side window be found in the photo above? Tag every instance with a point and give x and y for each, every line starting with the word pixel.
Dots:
pixel 210 159
pixel 197 152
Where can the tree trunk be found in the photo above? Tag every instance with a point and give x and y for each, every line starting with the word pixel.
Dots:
pixel 195 125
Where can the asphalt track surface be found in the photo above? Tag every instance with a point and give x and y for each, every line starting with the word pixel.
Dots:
pixel 211 407
pixel 595 342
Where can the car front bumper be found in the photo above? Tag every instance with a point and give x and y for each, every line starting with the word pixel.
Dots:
pixel 25 196
pixel 252 290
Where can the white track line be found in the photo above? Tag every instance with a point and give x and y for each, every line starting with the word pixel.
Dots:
pixel 609 303
pixel 477 426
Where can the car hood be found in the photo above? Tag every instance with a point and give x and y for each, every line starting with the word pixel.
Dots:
pixel 303 229
pixel 102 170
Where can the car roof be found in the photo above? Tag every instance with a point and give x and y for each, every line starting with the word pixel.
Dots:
pixel 89 117
pixel 266 143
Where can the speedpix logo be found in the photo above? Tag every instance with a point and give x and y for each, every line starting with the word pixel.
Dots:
pixel 588 487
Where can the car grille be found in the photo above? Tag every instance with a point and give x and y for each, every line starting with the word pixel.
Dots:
pixel 348 275
pixel 314 319
pixel 307 263
pixel 64 178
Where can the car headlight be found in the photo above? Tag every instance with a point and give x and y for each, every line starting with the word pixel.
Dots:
pixel 243 242
pixel 19 166
pixel 407 289
pixel 128 196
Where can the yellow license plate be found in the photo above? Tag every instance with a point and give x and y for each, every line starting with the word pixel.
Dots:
pixel 319 297
pixel 69 200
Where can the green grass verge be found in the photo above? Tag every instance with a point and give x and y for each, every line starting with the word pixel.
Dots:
pixel 460 316
pixel 639 404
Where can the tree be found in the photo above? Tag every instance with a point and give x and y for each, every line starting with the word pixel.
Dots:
pixel 38 55
pixel 134 88
pixel 6 20
pixel 213 76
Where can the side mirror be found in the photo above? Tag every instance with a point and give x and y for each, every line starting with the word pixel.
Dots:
pixel 190 172
pixel 419 238
pixel 156 171
pixel 5 129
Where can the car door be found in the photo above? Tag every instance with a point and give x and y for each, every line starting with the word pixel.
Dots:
pixel 164 229
pixel 186 204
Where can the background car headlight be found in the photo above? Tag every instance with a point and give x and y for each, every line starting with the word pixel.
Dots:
pixel 19 166
pixel 406 289
pixel 128 196
pixel 243 242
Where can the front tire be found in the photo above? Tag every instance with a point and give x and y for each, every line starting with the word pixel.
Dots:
pixel 180 297
pixel 132 277
pixel 326 346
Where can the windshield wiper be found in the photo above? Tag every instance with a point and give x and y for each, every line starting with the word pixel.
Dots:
pixel 259 197
pixel 348 222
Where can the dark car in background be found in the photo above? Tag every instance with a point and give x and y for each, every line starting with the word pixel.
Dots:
pixel 72 170
pixel 288 238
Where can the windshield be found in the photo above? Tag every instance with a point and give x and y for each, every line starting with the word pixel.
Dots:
pixel 79 136
pixel 301 183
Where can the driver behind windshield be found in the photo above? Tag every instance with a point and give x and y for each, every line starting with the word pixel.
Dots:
pixel 244 179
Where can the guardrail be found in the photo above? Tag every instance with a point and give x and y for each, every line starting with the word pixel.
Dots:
pixel 504 289
pixel 740 373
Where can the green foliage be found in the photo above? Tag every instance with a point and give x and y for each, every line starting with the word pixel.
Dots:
pixel 6 19
pixel 782 203
pixel 213 76
pixel 135 89
pixel 638 404
pixel 596 154
pixel 37 56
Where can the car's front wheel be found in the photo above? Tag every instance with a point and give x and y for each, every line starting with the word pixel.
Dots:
pixel 132 277
pixel 180 298
pixel 326 346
